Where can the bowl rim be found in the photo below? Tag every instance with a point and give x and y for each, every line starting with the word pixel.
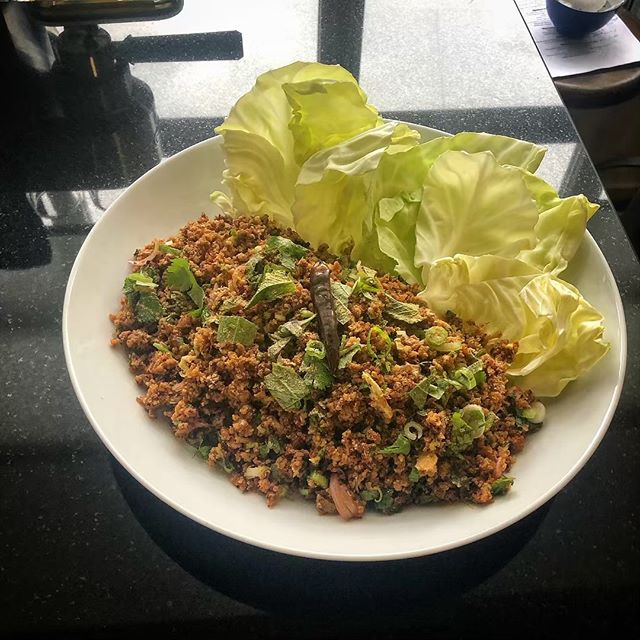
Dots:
pixel 615 7
pixel 320 555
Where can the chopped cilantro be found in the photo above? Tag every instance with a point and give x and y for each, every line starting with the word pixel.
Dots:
pixel 501 485
pixel 371 495
pixel 272 444
pixel 203 451
pixel 137 283
pixel 162 347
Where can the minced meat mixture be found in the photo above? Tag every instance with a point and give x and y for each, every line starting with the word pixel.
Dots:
pixel 222 334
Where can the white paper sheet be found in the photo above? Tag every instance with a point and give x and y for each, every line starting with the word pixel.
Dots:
pixel 612 46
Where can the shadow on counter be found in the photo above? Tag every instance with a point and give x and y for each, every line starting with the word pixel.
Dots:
pixel 293 586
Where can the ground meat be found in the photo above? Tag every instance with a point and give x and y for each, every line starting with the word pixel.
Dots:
pixel 215 397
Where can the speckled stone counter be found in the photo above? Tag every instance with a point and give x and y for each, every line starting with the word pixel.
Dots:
pixel 82 546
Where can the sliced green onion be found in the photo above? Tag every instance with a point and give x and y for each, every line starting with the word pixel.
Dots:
pixel 315 349
pixel 319 479
pixel 185 361
pixel 414 475
pixel 412 430
pixel 476 367
pixel 535 413
pixel 473 415
pixel 226 465
pixel 456 345
pixel 382 359
pixel 371 495
pixel 465 377
pixel 436 336
pixel 402 445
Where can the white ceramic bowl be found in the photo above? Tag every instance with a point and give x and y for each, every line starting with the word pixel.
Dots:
pixel 157 205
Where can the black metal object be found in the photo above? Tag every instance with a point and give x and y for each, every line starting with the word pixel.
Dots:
pixel 187 47
pixel 102 11
pixel 340 26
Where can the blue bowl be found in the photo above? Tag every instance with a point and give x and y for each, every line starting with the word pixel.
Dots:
pixel 575 23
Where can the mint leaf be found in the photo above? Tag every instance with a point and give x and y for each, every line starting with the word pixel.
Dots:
pixel 317 373
pixel 148 309
pixel 138 282
pixel 236 329
pixel 254 268
pixel 230 304
pixel 288 251
pixel 428 387
pixel 286 386
pixel 347 354
pixel 276 348
pixel 294 327
pixel 341 293
pixel 180 278
pixel 272 285
pixel 402 311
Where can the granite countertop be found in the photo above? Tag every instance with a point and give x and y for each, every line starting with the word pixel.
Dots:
pixel 82 546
